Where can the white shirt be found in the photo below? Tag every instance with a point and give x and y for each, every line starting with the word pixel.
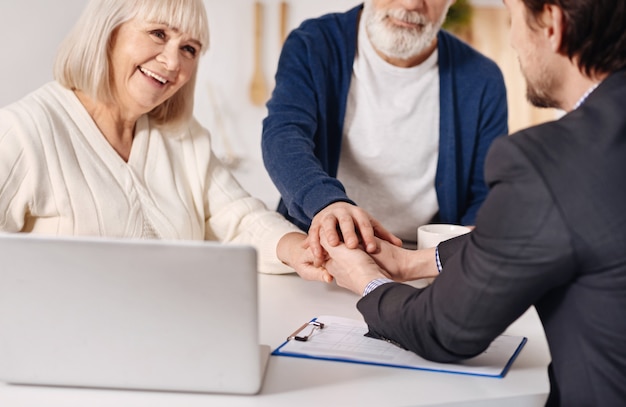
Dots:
pixel 390 144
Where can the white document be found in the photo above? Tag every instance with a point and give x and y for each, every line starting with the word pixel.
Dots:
pixel 344 340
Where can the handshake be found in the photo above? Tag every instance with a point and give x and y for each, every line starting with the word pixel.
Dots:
pixel 347 245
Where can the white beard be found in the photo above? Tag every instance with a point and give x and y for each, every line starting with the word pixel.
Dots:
pixel 400 42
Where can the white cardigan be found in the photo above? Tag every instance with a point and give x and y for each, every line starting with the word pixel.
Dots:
pixel 60 176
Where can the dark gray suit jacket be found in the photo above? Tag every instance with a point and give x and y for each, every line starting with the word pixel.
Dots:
pixel 551 233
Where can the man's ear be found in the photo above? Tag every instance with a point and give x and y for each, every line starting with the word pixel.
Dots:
pixel 553 24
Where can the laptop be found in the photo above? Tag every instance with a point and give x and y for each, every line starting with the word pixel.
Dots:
pixel 130 314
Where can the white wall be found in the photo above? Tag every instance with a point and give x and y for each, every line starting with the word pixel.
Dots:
pixel 30 31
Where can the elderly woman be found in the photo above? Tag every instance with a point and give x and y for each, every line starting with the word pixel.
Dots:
pixel 110 147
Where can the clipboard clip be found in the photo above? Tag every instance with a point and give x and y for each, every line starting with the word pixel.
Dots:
pixel 298 334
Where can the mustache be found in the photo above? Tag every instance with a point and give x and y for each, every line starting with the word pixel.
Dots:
pixel 406 16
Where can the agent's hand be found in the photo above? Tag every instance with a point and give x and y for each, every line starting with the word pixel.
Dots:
pixel 405 265
pixel 352 268
pixel 342 221
pixel 293 250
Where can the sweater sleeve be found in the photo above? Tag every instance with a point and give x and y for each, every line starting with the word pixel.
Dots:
pixel 232 215
pixel 302 130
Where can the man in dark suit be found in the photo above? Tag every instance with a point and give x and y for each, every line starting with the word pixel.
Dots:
pixel 552 231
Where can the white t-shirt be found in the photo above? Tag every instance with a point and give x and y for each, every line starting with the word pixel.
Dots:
pixel 390 144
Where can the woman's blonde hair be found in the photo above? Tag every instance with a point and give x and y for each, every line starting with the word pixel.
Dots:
pixel 82 61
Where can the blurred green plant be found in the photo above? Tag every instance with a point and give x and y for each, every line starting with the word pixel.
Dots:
pixel 459 16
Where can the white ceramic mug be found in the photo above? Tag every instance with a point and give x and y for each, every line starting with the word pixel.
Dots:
pixel 432 234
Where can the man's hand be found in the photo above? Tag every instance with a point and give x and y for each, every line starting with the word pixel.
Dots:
pixel 405 265
pixel 342 221
pixel 293 250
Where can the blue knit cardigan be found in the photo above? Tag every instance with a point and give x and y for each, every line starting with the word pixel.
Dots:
pixel 302 133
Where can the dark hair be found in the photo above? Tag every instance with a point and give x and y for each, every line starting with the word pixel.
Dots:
pixel 595 32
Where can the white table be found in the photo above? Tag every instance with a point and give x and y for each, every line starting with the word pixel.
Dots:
pixel 286 302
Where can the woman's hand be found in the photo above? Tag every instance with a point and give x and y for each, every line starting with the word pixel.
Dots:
pixel 293 250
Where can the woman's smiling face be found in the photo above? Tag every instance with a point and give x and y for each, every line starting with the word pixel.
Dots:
pixel 150 62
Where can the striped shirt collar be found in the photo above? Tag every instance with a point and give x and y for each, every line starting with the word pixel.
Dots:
pixel 585 96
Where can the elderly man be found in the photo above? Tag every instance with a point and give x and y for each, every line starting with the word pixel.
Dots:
pixel 551 231
pixel 380 108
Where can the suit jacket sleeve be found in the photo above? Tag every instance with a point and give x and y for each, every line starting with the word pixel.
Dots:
pixel 519 250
